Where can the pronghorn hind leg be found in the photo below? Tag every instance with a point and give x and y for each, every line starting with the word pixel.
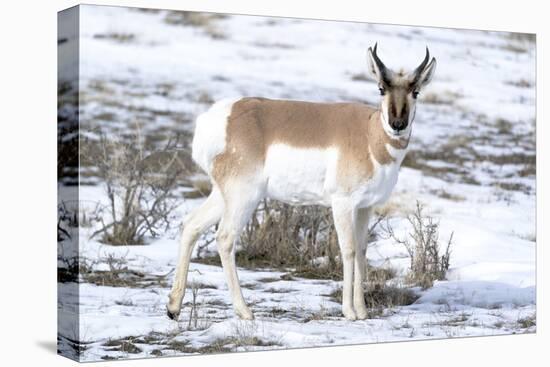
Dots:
pixel 361 224
pixel 241 199
pixel 343 213
pixel 209 213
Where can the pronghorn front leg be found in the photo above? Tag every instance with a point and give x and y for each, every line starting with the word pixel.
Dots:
pixel 241 199
pixel 227 234
pixel 343 213
pixel 361 225
pixel 206 215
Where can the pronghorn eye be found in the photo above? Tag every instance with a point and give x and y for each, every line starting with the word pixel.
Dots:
pixel 382 91
pixel 415 94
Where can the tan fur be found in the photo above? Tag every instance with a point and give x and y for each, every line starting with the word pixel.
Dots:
pixel 256 123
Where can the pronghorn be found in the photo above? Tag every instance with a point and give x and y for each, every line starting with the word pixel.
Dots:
pixel 342 155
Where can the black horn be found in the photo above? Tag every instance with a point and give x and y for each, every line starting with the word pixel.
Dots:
pixel 422 65
pixel 383 70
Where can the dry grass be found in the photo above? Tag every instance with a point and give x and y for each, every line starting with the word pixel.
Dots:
pixel 197 320
pixel 280 235
pixel 204 21
pixel 121 345
pixel 442 193
pixel 382 297
pixel 242 336
pixel 361 77
pixel 527 322
pixel 299 239
pixel 118 274
pixel 524 37
pixel 456 152
pixel 278 45
pixel 463 157
pixel 521 83
pixel 515 48
pixel 117 37
pixel 443 98
pixel 322 314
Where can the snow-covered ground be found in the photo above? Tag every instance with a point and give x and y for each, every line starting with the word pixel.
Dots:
pixel 472 165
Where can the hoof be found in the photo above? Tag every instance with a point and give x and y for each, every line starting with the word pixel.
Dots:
pixel 362 315
pixel 172 315
pixel 350 315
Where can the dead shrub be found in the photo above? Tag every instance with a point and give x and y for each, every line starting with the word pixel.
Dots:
pixel 282 236
pixel 139 184
pixel 428 262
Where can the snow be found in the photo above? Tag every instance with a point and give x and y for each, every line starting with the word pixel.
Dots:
pixel 491 283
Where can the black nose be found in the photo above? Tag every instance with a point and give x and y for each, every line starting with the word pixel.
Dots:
pixel 398 125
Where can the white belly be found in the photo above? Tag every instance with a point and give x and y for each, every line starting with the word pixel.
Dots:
pixel 300 176
pixel 308 176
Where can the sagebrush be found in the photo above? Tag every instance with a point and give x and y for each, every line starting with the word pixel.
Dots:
pixel 139 183
pixel 283 236
pixel 428 260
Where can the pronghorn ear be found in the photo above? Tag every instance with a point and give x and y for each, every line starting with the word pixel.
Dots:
pixel 427 74
pixel 373 68
pixel 376 67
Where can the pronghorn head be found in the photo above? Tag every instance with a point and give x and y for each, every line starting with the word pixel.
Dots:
pixel 399 91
